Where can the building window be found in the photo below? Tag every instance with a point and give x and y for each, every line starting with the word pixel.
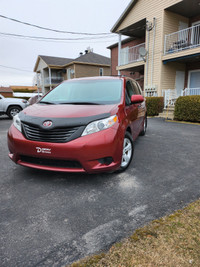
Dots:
pixel 194 79
pixel 101 72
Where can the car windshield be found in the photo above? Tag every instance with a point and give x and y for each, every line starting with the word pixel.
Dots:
pixel 90 92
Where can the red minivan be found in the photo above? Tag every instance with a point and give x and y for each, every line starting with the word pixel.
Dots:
pixel 83 125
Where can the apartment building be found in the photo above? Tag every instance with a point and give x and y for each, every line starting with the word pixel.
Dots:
pixel 50 71
pixel 169 47
pixel 137 75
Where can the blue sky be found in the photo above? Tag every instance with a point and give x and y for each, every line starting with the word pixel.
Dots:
pixel 90 16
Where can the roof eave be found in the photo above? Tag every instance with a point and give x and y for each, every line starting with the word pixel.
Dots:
pixel 37 62
pixel 122 17
pixel 87 63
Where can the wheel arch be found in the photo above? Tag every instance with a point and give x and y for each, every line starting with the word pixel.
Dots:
pixel 13 105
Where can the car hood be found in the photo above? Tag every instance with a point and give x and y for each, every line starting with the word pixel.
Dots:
pixel 68 111
pixel 65 115
pixel 13 100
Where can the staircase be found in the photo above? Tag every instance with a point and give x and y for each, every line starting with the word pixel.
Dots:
pixel 168 113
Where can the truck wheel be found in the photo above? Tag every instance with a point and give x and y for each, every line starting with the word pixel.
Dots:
pixel 12 111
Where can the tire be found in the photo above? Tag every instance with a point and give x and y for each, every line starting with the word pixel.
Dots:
pixel 12 111
pixel 144 129
pixel 127 152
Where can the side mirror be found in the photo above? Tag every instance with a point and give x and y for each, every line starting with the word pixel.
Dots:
pixel 136 99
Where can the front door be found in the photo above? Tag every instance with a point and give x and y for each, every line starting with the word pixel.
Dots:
pixel 194 82
pixel 131 110
pixel 180 81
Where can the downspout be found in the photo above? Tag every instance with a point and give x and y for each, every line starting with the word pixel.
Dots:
pixel 147 62
pixel 38 90
pixel 119 51
pixel 50 78
pixel 152 62
pixel 42 78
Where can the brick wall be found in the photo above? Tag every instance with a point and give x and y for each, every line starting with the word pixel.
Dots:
pixel 194 19
pixel 114 62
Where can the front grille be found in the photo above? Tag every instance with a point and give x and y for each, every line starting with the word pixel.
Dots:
pixel 51 162
pixel 57 135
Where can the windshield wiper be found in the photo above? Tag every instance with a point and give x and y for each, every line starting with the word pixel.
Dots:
pixel 46 102
pixel 79 103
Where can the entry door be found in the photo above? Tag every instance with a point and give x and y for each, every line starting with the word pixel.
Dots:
pixel 180 81
pixel 194 82
pixel 182 36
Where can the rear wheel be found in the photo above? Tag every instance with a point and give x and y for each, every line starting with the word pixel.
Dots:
pixel 12 111
pixel 127 152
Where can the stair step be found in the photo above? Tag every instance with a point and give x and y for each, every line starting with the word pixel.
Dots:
pixel 168 113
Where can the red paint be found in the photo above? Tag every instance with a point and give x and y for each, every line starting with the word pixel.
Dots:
pixel 85 149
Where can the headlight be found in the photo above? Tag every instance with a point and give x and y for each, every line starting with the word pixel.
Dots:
pixel 17 122
pixel 100 125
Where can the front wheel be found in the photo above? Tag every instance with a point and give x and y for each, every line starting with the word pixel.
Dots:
pixel 127 152
pixel 12 111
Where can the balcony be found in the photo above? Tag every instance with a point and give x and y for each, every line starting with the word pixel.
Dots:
pixel 131 54
pixel 190 91
pixel 182 40
pixel 52 80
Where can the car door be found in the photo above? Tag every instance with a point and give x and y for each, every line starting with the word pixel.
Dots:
pixel 1 103
pixel 131 110
pixel 141 106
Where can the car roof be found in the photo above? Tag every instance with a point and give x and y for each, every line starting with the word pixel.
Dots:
pixel 96 78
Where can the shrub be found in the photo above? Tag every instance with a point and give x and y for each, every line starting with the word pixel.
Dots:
pixel 187 108
pixel 154 105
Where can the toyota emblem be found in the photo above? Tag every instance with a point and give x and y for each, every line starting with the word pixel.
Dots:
pixel 47 123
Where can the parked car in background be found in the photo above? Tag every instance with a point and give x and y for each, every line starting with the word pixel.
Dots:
pixel 83 125
pixel 11 106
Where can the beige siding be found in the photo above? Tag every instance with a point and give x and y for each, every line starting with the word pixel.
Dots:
pixel 146 9
pixel 169 74
pixel 166 22
pixel 41 65
pixel 90 70
pixel 171 22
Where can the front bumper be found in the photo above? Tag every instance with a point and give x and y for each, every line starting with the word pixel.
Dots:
pixel 98 152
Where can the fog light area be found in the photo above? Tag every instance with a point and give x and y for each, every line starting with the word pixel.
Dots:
pixel 106 161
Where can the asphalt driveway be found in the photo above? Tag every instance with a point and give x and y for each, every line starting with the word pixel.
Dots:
pixel 52 219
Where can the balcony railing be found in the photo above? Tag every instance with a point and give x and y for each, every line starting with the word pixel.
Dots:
pixel 53 80
pixel 181 40
pixel 131 54
pixel 191 91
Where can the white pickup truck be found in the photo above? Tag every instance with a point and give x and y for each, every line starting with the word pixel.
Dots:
pixel 11 106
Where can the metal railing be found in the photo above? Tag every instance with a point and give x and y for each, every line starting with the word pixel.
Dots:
pixel 53 80
pixel 170 97
pixel 131 54
pixel 181 40
pixel 190 91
